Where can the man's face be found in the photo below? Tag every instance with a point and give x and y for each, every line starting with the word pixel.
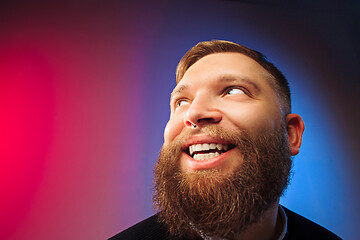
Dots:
pixel 229 90
pixel 220 177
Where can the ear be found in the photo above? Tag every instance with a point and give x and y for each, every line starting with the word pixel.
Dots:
pixel 295 128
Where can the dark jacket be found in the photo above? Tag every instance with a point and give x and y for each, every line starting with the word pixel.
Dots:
pixel 298 228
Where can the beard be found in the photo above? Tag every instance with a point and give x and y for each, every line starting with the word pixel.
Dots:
pixel 214 203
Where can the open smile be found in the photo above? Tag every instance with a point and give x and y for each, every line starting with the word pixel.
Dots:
pixel 206 151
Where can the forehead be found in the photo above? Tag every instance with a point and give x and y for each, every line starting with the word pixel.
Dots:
pixel 219 65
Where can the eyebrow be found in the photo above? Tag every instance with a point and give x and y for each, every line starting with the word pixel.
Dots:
pixel 231 78
pixel 179 89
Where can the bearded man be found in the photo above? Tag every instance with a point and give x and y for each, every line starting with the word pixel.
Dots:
pixel 227 150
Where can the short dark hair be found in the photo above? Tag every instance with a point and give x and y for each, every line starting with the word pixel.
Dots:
pixel 202 49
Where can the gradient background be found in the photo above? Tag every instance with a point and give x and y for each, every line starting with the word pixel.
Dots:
pixel 84 91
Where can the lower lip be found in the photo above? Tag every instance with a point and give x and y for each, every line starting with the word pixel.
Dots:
pixel 210 163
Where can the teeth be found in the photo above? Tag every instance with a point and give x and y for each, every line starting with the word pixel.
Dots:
pixel 191 149
pixel 204 156
pixel 206 147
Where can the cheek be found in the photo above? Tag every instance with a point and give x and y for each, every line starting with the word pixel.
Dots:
pixel 172 129
pixel 253 119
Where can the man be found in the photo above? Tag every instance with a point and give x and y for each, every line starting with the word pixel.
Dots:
pixel 227 150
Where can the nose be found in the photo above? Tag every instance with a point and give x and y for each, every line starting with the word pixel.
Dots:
pixel 201 112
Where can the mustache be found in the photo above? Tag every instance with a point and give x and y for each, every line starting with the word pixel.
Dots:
pixel 231 136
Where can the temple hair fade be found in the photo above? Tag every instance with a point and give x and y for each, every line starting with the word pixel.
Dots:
pixel 202 49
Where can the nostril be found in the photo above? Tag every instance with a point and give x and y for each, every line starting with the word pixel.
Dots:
pixel 202 121
pixel 201 116
pixel 205 120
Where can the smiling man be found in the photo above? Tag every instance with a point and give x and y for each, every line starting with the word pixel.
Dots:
pixel 227 150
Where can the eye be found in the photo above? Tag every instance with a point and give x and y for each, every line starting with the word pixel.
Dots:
pixel 180 103
pixel 234 90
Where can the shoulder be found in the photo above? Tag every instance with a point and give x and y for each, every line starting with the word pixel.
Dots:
pixel 302 228
pixel 148 229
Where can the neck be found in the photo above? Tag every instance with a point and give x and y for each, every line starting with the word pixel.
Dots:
pixel 269 226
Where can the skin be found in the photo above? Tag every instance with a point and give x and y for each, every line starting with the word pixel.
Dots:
pixel 234 92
